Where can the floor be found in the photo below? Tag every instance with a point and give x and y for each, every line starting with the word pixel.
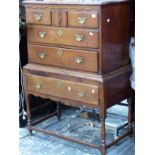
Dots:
pixel 72 125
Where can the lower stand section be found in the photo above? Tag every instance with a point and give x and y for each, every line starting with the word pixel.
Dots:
pixel 103 147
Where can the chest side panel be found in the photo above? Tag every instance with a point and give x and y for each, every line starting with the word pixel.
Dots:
pixel 115 36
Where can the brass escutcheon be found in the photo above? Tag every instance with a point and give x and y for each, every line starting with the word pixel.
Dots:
pixel 60 52
pixel 42 55
pixel 79 37
pixel 82 19
pixel 38 17
pixel 60 33
pixel 81 94
pixel 79 60
pixel 42 34
pixel 59 84
pixel 38 86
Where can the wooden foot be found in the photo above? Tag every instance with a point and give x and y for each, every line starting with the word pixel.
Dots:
pixel 103 147
pixel 103 130
pixel 103 114
pixel 130 115
pixel 30 131
pixel 58 111
pixel 28 99
pixel 28 128
pixel 103 136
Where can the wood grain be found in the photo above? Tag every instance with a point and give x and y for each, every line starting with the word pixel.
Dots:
pixel 65 58
pixel 62 88
pixel 68 37
pixel 45 17
pixel 91 19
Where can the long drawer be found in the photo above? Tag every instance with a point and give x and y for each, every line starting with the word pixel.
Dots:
pixel 64 36
pixel 64 89
pixel 67 58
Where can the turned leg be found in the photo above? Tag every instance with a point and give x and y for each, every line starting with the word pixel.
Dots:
pixel 58 111
pixel 103 131
pixel 129 99
pixel 28 127
pixel 28 98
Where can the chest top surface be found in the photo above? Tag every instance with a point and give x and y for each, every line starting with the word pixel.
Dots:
pixel 78 2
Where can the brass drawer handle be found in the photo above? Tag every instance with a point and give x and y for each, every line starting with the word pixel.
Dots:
pixel 60 33
pixel 81 94
pixel 79 60
pixel 42 55
pixel 60 52
pixel 38 86
pixel 38 17
pixel 79 37
pixel 82 19
pixel 42 34
pixel 59 84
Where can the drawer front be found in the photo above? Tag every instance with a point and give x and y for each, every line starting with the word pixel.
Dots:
pixel 59 18
pixel 73 59
pixel 83 19
pixel 38 17
pixel 64 36
pixel 62 88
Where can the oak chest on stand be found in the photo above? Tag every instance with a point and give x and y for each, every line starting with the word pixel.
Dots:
pixel 78 54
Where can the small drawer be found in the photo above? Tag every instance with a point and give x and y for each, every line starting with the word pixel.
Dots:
pixel 83 19
pixel 64 36
pixel 62 88
pixel 38 17
pixel 68 58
